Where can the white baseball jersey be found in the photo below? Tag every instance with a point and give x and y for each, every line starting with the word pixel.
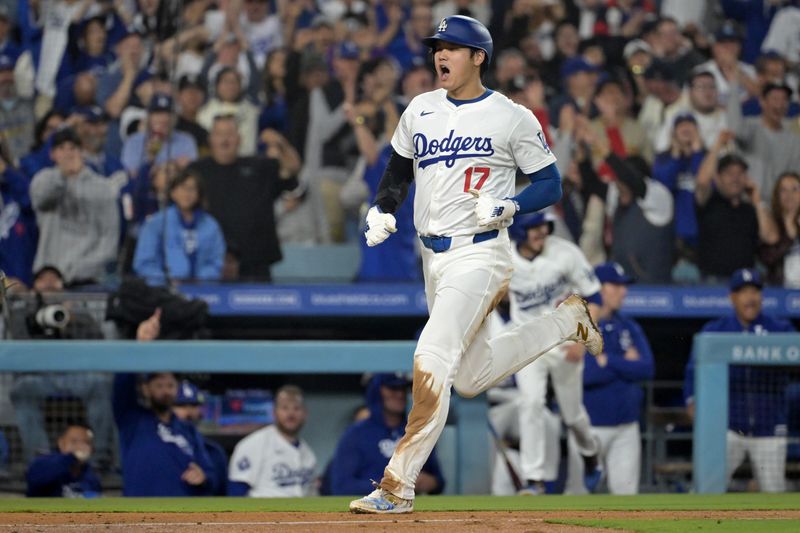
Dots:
pixel 273 466
pixel 537 286
pixel 475 145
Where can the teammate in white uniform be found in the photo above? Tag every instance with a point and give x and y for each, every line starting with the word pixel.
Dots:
pixel 274 462
pixel 462 144
pixel 547 269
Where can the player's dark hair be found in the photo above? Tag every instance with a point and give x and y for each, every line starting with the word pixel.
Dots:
pixel 485 64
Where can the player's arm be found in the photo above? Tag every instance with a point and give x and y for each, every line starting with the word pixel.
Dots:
pixel 392 191
pixel 544 191
pixel 637 362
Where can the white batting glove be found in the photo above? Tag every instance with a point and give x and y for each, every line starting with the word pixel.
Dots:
pixel 379 226
pixel 492 211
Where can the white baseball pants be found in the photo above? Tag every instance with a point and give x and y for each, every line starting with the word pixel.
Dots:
pixel 620 457
pixel 767 456
pixel 462 287
pixel 568 385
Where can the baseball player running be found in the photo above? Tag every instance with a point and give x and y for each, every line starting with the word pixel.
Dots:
pixel 547 269
pixel 462 144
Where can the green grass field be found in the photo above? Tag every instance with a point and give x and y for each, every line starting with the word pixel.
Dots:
pixel 648 502
pixel 645 502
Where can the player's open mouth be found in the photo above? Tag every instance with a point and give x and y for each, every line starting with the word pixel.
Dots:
pixel 444 72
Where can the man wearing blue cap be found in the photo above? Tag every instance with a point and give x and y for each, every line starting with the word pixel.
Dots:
pixel 612 392
pixel 188 407
pixel 366 446
pixel 756 406
pixel 159 141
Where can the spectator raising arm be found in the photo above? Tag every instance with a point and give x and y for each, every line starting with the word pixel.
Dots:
pixel 47 190
pixel 708 168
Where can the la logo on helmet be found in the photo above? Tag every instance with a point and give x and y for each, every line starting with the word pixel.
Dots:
pixel 443 25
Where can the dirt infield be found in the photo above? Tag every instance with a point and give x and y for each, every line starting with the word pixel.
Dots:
pixel 234 522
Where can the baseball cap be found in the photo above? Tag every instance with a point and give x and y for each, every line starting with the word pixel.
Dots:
pixel 92 113
pixel 189 394
pixel 636 45
pixel 160 102
pixel 191 80
pixel 65 135
pixel 612 272
pixel 731 159
pixel 746 276
pixel 397 379
pixel 729 31
pixel 6 62
pixel 574 65
pixel 683 117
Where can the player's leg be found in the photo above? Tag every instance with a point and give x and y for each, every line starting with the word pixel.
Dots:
pixel 567 377
pixel 488 361
pixel 768 455
pixel 623 458
pixel 568 386
pixel 466 285
pixel 532 385
pixel 736 450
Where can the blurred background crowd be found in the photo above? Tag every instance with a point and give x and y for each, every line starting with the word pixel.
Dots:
pixel 190 140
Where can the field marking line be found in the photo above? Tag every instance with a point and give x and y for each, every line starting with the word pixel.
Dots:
pixel 270 523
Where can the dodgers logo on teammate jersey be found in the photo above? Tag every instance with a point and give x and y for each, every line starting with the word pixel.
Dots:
pixel 540 295
pixel 285 476
pixel 450 148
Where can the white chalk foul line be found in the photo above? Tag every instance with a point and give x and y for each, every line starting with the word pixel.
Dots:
pixel 399 519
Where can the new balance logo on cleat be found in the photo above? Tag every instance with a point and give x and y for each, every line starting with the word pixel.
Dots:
pixel 582 332
pixel 586 331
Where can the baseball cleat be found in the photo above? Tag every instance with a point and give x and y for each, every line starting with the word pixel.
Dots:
pixel 381 501
pixel 586 331
pixel 533 488
pixel 592 473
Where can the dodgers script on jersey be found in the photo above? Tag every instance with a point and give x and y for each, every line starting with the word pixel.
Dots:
pixel 272 466
pixel 475 145
pixel 539 285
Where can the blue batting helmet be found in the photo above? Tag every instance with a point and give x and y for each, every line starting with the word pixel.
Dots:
pixel 465 31
pixel 522 223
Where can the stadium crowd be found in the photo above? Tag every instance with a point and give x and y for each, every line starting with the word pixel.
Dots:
pixel 183 141
pixel 139 139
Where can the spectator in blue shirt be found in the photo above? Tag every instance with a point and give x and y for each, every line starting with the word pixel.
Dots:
pixel 612 392
pixel 66 472
pixel 189 408
pixel 159 142
pixel 18 231
pixel 366 446
pixel 188 245
pixel 756 403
